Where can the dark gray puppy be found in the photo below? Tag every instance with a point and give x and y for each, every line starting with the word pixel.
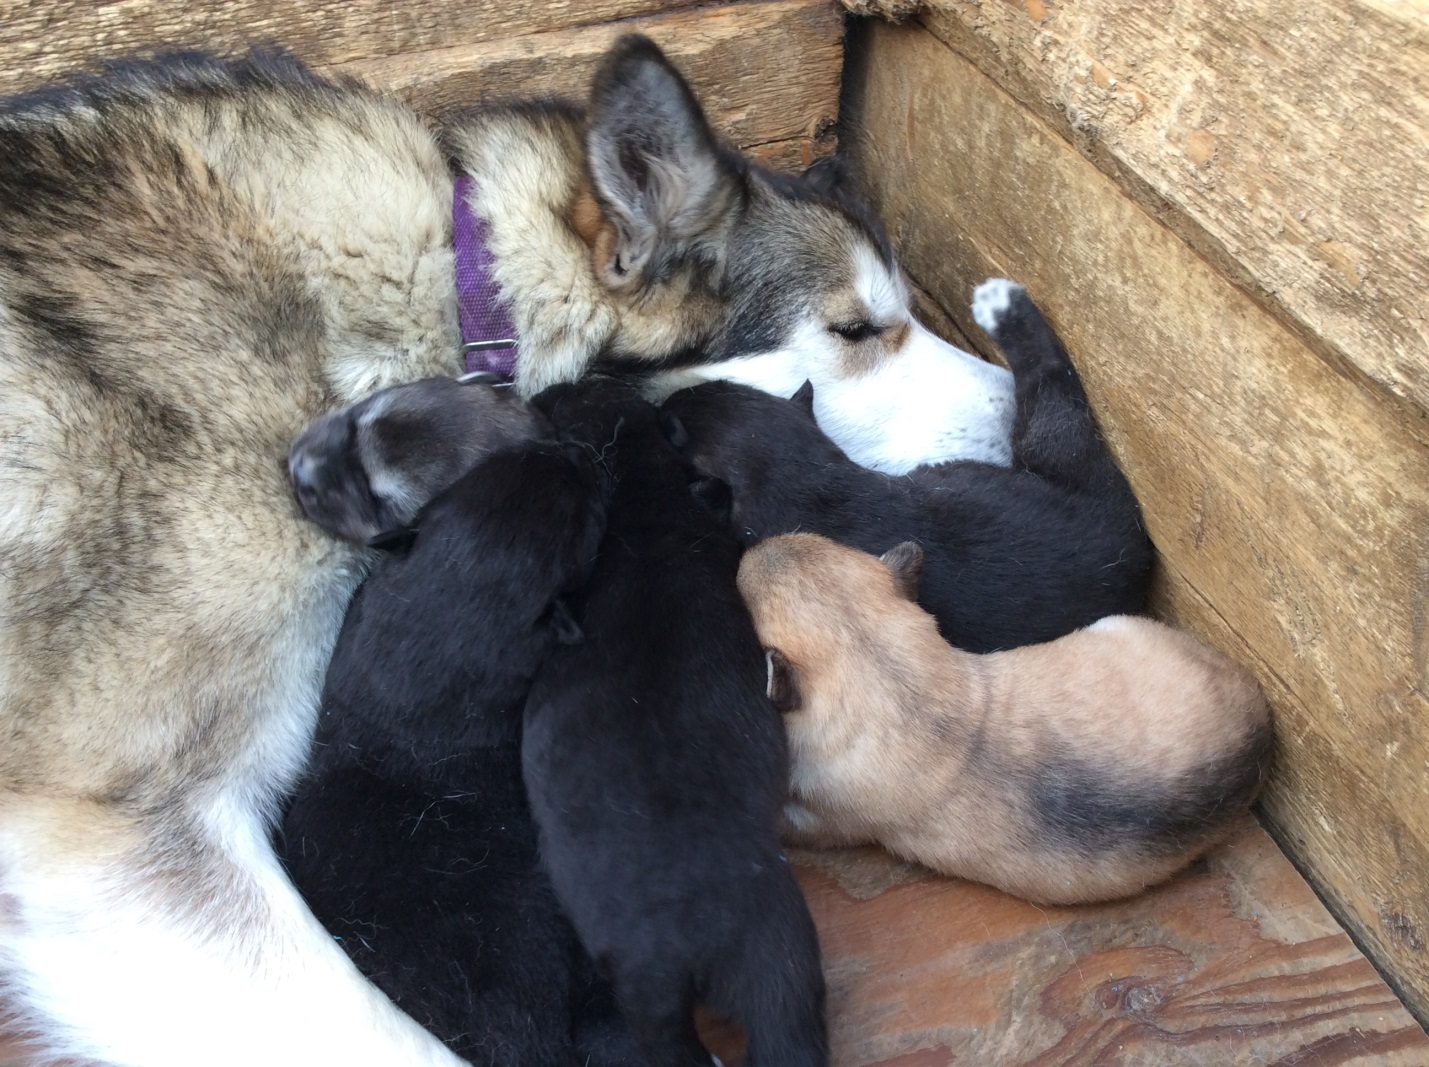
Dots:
pixel 365 471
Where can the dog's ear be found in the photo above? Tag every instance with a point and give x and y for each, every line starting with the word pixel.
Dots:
pixel 905 563
pixel 398 540
pixel 656 168
pixel 716 498
pixel 783 685
pixel 804 397
pixel 675 431
pixel 563 623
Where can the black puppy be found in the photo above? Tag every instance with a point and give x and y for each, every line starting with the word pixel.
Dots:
pixel 657 767
pixel 411 837
pixel 1010 556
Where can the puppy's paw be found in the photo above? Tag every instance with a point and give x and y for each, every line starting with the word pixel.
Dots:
pixel 994 301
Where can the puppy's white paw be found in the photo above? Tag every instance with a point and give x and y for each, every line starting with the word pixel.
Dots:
pixel 991 302
pixel 716 1060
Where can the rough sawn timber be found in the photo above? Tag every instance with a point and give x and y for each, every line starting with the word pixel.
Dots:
pixel 1289 500
pixel 767 73
pixel 42 40
pixel 1285 142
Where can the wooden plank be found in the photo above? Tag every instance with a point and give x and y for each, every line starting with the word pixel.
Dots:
pixel 1274 486
pixel 793 156
pixel 41 40
pixel 1234 962
pixel 768 72
pixel 1285 142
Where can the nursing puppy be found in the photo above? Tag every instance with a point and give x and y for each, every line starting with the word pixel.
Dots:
pixel 656 765
pixel 1083 769
pixel 1011 557
pixel 364 471
pixel 410 836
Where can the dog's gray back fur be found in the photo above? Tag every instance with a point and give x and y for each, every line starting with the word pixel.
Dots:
pixel 195 259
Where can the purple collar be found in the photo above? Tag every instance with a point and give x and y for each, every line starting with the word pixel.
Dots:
pixel 488 336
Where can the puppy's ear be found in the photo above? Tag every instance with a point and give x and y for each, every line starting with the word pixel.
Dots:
pixel 398 540
pixel 563 623
pixel 675 430
pixel 905 563
pixel 716 497
pixel 804 397
pixel 783 685
pixel 656 168
pixel 831 176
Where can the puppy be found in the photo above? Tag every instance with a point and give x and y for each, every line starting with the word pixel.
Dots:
pixel 1012 556
pixel 410 837
pixel 1083 769
pixel 364 472
pixel 656 766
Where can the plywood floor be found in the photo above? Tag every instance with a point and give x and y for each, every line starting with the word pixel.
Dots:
pixel 1233 964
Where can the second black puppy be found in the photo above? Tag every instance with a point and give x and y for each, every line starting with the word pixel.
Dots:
pixel 411 838
pixel 656 765
pixel 1010 557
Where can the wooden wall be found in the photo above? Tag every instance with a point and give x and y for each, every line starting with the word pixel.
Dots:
pixel 1224 209
pixel 769 71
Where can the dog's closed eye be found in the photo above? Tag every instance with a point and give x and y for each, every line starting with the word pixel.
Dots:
pixel 860 330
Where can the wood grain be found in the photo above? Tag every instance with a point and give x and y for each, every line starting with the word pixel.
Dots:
pixel 1276 488
pixel 768 73
pixel 1234 962
pixel 41 40
pixel 1285 142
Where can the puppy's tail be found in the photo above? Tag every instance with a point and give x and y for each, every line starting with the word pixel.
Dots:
pixel 776 987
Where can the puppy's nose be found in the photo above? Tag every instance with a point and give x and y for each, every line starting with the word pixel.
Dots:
pixel 302 473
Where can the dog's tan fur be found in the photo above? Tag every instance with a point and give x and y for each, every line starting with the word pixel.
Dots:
pixel 236 264
pixel 943 756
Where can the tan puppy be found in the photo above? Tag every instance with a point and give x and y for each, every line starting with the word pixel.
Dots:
pixel 1083 769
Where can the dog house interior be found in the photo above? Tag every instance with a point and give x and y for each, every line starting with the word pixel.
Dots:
pixel 1222 210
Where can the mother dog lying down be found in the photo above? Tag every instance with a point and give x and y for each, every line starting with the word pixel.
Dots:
pixel 196 258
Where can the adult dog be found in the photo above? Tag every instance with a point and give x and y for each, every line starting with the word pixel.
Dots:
pixel 196 258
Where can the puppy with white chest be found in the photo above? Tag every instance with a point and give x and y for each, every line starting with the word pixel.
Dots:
pixel 1086 768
